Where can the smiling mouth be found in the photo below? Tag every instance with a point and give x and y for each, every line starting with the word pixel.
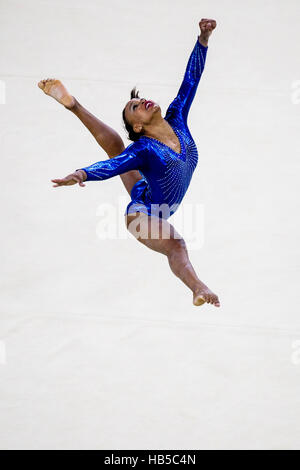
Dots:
pixel 148 104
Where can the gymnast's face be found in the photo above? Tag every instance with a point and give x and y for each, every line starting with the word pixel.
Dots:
pixel 139 112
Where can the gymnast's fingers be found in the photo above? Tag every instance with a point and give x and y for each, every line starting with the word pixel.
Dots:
pixel 60 182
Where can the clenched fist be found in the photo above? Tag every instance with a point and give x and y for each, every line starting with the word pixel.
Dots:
pixel 206 27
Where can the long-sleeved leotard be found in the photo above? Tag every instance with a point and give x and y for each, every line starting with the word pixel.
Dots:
pixel 166 174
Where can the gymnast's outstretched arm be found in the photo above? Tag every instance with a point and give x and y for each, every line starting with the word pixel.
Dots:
pixel 180 106
pixel 133 158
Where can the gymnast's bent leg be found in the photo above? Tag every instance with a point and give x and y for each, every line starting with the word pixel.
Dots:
pixel 167 241
pixel 107 138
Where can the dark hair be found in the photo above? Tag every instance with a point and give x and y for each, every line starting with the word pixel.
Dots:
pixel 134 136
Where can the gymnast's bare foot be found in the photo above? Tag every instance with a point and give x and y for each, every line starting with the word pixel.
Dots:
pixel 56 89
pixel 203 294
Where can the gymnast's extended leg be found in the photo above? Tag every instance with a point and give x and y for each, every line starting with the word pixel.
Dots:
pixel 107 138
pixel 166 240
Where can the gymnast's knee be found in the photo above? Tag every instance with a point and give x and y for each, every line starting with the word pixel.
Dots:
pixel 175 247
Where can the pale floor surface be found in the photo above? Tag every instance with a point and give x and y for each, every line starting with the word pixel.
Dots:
pixel 100 346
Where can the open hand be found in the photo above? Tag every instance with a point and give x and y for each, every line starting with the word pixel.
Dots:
pixel 74 178
pixel 206 27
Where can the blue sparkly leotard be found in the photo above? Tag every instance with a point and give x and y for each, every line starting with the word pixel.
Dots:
pixel 166 174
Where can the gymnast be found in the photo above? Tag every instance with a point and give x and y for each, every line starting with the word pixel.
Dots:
pixel 156 168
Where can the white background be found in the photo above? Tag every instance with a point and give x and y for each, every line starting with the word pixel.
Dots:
pixel 103 347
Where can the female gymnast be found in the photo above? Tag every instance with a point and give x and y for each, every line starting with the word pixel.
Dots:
pixel 156 168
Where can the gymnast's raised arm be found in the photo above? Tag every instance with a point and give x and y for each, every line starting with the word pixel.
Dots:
pixel 180 106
